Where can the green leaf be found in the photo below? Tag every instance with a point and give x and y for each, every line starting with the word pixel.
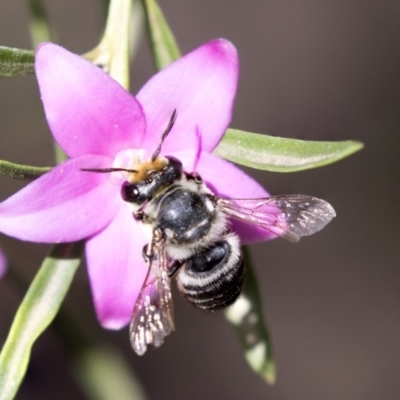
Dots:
pixel 278 154
pixel 39 25
pixel 115 40
pixel 35 313
pixel 163 44
pixel 18 171
pixel 247 319
pixel 95 363
pixel 91 359
pixel 16 62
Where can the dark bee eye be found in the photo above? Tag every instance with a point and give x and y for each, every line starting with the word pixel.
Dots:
pixel 129 192
pixel 174 168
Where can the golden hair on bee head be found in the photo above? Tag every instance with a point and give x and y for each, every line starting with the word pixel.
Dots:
pixel 144 170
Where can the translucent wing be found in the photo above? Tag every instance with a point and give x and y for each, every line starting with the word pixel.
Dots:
pixel 288 216
pixel 152 318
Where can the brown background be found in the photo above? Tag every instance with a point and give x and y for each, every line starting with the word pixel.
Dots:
pixel 309 69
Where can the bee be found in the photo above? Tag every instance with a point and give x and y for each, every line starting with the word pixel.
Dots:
pixel 192 242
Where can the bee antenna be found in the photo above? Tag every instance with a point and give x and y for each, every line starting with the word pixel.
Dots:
pixel 106 170
pixel 164 135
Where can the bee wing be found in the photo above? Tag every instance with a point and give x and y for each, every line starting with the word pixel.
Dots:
pixel 288 216
pixel 152 318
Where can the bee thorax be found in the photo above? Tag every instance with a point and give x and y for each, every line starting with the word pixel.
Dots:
pixel 189 220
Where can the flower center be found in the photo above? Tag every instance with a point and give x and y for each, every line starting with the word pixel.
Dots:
pixel 129 159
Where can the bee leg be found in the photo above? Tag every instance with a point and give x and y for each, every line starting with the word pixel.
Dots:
pixel 174 268
pixel 158 237
pixel 147 255
pixel 139 215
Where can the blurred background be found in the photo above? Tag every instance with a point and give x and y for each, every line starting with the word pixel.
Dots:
pixel 317 70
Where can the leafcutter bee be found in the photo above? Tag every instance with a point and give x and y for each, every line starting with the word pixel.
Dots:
pixel 191 239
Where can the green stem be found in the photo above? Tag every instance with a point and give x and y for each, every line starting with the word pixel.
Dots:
pixel 104 374
pixel 24 172
pixel 100 369
pixel 164 47
pixel 113 52
pixel 117 35
pixel 39 26
pixel 15 62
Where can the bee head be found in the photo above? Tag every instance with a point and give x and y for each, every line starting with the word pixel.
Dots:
pixel 150 177
pixel 153 176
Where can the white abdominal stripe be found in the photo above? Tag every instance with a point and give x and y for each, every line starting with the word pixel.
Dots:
pixel 217 285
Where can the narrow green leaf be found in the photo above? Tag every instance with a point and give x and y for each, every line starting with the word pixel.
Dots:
pixel 16 62
pixel 120 40
pixel 278 154
pixel 97 362
pixel 35 313
pixel 163 44
pixel 116 40
pixel 18 171
pixel 247 319
pixel 91 359
pixel 39 25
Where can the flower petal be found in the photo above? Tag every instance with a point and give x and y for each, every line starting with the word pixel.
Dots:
pixel 88 112
pixel 117 269
pixel 64 205
pixel 201 86
pixel 227 180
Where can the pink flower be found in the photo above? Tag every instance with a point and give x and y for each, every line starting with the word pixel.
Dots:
pixel 100 125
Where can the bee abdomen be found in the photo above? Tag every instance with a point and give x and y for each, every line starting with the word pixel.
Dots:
pixel 213 279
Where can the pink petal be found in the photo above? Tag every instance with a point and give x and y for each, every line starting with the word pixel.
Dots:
pixel 64 205
pixel 88 112
pixel 227 180
pixel 201 86
pixel 117 269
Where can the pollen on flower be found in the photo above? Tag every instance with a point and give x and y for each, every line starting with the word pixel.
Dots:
pixel 129 158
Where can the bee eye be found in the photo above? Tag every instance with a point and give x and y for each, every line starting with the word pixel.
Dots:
pixel 129 192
